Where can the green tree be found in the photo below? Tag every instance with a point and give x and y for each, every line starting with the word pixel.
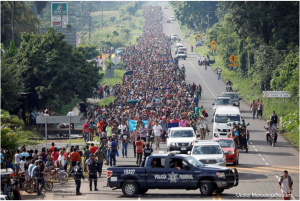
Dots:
pixel 89 51
pixel 52 69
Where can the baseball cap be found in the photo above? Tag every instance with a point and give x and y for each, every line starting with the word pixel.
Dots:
pixel 92 155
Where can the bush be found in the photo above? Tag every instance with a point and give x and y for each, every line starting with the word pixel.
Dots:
pixel 126 17
pixel 112 19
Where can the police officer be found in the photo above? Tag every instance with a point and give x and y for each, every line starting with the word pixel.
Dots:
pixel 77 177
pixel 92 164
pixel 147 152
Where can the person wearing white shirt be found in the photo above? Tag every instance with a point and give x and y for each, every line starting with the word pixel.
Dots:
pixel 61 160
pixel 157 131
pixel 285 183
pixel 22 165
pixel 122 126
pixel 70 113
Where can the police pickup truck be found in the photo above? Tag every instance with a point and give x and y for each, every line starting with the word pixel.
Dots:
pixel 171 171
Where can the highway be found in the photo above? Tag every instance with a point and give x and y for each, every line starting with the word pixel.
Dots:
pixel 259 169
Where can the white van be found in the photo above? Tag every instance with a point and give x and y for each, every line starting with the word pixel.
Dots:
pixel 223 115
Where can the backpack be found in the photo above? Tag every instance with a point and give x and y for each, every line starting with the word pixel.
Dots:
pixel 206 115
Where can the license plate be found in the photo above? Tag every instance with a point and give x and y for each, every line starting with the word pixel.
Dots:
pixel 183 148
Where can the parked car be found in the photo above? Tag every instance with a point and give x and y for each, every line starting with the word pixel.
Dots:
pixel 198 43
pixel 160 172
pixel 178 45
pixel 172 18
pixel 180 139
pixel 168 21
pixel 229 145
pixel 209 153
pixel 181 54
pixel 221 101
pixel 234 98
pixel 183 49
pixel 174 36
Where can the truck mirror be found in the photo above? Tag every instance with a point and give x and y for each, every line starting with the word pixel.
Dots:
pixel 189 153
pixel 212 120
pixel 240 98
pixel 213 104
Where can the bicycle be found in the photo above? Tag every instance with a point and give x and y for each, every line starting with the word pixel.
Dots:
pixel 31 185
pixel 55 174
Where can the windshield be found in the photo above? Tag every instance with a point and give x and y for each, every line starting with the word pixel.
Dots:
pixel 232 96
pixel 207 149
pixel 226 118
pixel 184 133
pixel 193 161
pixel 180 52
pixel 222 101
pixel 226 143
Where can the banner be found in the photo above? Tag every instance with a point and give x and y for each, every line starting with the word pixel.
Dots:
pixel 132 124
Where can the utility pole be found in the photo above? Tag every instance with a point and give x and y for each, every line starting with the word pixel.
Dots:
pixel 90 24
pixel 61 9
pixel 102 14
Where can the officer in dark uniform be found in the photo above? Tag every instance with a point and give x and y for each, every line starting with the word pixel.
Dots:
pixel 78 174
pixel 92 164
pixel 147 152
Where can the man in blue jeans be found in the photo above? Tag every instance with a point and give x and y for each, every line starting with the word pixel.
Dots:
pixel 113 151
pixel 100 157
pixel 38 172
pixel 124 139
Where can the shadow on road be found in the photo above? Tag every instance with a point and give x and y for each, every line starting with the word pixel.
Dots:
pixel 251 176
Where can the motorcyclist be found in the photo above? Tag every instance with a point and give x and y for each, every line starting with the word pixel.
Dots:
pixel 270 130
pixel 229 85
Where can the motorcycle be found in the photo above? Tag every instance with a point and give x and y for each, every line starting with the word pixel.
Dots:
pixel 229 88
pixel 199 63
pixel 271 138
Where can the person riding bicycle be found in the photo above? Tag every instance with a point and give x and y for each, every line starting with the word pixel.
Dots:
pixel 270 130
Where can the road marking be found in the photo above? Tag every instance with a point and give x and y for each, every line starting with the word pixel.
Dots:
pixel 250 142
pixel 276 176
pixel 263 159
pixel 253 146
pixel 202 78
pixel 139 198
pixel 256 150
pixel 219 196
pixel 259 154
pixel 213 197
pixel 267 163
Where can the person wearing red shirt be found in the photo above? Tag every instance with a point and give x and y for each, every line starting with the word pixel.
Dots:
pixel 74 156
pixel 52 148
pixel 55 155
pixel 175 120
pixel 93 148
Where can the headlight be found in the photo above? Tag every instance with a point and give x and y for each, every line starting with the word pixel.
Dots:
pixel 216 130
pixel 236 103
pixel 221 160
pixel 231 153
pixel 173 144
pixel 221 175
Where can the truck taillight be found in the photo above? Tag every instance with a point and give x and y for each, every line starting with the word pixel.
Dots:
pixel 109 173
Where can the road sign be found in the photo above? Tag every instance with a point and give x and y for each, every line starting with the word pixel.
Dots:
pixel 198 36
pixel 109 73
pixel 203 38
pixel 116 67
pixel 59 14
pixel 213 43
pixel 235 64
pixel 276 94
pixel 115 60
pixel 213 48
pixel 57 119
pixel 233 58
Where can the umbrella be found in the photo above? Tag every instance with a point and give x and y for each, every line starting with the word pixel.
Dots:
pixel 132 101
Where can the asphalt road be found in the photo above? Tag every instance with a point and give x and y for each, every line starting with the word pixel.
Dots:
pixel 259 169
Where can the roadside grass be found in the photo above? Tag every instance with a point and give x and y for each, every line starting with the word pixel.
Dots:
pixel 118 74
pixel 248 91
pixel 106 101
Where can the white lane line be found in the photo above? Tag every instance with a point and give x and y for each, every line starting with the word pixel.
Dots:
pixel 202 79
pixel 267 163
pixel 256 150
pixel 259 154
pixel 250 142
pixel 263 159
pixel 139 198
pixel 293 197
pixel 253 146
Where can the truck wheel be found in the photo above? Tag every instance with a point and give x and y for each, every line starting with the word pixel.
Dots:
pixel 219 191
pixel 130 188
pixel 206 188
pixel 143 191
